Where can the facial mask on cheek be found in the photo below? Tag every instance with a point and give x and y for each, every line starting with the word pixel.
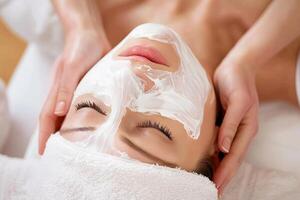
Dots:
pixel 179 95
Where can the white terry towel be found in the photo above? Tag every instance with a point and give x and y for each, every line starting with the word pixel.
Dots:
pixel 68 172
pixel 254 183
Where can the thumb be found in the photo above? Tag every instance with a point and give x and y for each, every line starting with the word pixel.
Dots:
pixel 232 119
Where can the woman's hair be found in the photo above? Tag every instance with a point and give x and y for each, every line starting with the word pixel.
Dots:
pixel 206 166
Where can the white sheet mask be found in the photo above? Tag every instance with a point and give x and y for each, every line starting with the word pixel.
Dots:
pixel 179 95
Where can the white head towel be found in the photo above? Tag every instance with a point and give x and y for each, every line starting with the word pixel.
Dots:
pixel 68 172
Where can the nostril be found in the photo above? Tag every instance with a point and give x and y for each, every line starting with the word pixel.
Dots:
pixel 147 82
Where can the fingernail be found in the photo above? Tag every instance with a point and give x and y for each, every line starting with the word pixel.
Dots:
pixel 60 108
pixel 226 144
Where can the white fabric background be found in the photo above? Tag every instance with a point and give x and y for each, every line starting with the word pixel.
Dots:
pixel 277 144
pixel 271 170
pixel 4 116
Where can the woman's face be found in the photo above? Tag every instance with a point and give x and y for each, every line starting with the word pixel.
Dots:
pixel 150 138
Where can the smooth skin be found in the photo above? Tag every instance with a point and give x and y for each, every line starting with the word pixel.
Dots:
pixel 237 50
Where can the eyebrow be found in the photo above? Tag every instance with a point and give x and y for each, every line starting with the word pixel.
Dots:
pixel 172 165
pixel 78 129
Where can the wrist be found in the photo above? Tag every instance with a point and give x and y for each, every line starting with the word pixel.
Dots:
pixel 240 61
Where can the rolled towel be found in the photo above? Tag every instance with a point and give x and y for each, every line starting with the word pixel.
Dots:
pixel 69 172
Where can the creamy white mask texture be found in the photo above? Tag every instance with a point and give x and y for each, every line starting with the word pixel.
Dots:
pixel 179 95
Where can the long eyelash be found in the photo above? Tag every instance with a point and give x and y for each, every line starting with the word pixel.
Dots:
pixel 165 130
pixel 90 104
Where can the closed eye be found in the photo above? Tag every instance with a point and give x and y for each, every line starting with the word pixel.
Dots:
pixel 156 125
pixel 90 104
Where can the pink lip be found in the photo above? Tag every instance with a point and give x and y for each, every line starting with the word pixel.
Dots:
pixel 143 53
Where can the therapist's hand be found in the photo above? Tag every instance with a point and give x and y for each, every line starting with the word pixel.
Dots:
pixel 236 88
pixel 234 80
pixel 85 44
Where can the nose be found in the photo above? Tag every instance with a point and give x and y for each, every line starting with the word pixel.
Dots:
pixel 141 72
